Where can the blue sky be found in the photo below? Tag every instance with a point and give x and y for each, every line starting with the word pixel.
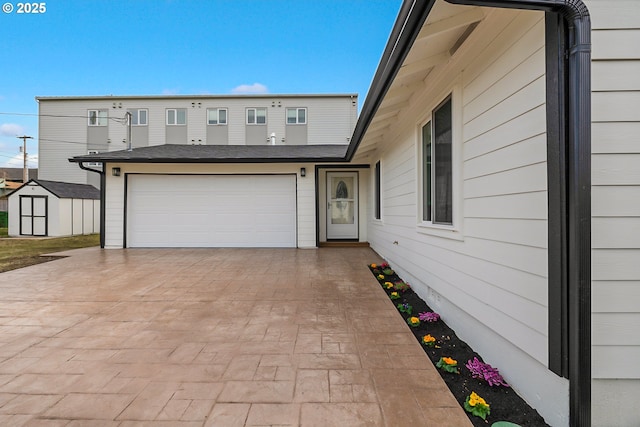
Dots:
pixel 151 47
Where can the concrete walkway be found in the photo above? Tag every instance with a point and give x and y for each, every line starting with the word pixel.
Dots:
pixel 211 337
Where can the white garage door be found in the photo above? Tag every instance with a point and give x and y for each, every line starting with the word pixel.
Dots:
pixel 211 211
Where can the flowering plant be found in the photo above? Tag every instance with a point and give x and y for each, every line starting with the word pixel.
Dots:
pixel 413 321
pixel 486 372
pixel 373 265
pixel 448 364
pixel 429 316
pixel 477 406
pixel 394 295
pixel 428 340
pixel 387 271
pixel 384 265
pixel 405 308
pixel 401 286
pixel 380 276
pixel 388 285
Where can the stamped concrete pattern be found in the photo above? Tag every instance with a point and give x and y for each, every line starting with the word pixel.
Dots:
pixel 211 337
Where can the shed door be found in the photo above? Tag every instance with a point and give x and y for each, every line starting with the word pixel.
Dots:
pixel 211 211
pixel 33 215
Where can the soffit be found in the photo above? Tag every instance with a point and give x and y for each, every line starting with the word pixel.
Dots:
pixel 441 35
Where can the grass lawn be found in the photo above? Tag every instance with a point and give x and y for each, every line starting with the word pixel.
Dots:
pixel 18 253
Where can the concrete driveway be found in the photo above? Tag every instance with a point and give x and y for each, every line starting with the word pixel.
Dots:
pixel 211 337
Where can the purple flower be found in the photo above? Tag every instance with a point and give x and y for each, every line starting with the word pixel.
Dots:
pixel 486 372
pixel 429 316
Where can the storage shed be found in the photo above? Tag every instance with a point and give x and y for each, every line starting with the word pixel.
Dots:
pixel 51 208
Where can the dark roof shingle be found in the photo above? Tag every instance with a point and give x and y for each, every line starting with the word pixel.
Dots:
pixel 173 153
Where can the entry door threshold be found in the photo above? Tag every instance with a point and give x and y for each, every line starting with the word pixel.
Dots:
pixel 345 244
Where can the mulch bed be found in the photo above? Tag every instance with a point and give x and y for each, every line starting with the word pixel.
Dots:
pixel 504 403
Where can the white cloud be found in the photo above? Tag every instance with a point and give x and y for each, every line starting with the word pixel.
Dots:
pixel 11 129
pixel 17 161
pixel 254 88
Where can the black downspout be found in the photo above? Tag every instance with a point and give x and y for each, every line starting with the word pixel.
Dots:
pixel 102 198
pixel 578 175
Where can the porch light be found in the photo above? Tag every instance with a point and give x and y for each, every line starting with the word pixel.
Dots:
pixel 303 172
pixel 115 171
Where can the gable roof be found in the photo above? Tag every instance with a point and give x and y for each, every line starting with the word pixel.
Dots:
pixel 173 153
pixel 67 190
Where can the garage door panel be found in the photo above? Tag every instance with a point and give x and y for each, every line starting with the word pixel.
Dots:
pixel 211 211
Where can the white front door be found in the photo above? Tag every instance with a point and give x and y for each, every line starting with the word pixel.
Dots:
pixel 342 205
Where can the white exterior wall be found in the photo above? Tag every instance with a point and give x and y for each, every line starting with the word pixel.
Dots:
pixel 63 123
pixel 616 211
pixel 487 277
pixel 305 193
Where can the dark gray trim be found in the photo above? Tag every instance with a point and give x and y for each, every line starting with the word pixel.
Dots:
pixel 103 184
pixel 557 141
pixel 32 216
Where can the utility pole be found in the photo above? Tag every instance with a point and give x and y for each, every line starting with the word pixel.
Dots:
pixel 25 170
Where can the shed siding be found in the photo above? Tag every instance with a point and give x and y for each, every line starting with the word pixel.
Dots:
pixel 616 210
pixel 492 271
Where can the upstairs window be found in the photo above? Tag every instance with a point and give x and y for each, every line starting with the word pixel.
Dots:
pixel 296 116
pixel 176 116
pixel 139 117
pixel 256 116
pixel 217 116
pixel 98 117
pixel 437 166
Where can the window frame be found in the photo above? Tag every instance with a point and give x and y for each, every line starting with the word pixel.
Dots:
pixel 175 110
pixel 454 229
pixel 297 118
pixel 377 188
pixel 218 121
pixel 255 116
pixel 98 117
pixel 135 116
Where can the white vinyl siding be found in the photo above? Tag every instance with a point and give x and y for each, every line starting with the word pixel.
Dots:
pixel 615 210
pixel 495 272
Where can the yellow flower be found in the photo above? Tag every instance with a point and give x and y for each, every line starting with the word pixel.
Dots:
pixel 373 265
pixel 389 285
pixel 380 276
pixel 449 361
pixel 414 320
pixel 394 294
pixel 428 338
pixel 474 399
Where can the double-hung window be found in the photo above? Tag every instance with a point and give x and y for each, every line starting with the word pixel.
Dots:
pixel 296 116
pixel 139 117
pixel 176 116
pixel 437 166
pixel 217 116
pixel 256 116
pixel 98 117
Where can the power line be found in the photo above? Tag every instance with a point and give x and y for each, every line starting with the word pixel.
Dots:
pixel 121 120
